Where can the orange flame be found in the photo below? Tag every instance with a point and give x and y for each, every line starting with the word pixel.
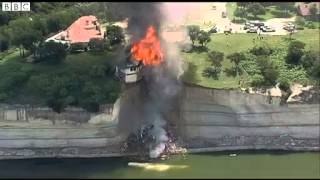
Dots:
pixel 148 49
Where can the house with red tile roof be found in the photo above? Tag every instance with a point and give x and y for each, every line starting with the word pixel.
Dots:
pixel 304 8
pixel 80 32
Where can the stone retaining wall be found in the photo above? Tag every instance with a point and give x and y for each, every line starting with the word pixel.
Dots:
pixel 218 118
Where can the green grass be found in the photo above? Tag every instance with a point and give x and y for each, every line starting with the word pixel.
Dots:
pixel 236 43
pixel 310 37
pixel 9 54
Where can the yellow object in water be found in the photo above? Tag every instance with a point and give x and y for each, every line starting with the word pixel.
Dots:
pixel 156 167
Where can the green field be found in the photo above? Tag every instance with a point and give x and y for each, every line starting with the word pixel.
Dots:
pixel 236 43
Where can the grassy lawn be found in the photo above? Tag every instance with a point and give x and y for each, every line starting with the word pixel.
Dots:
pixel 310 37
pixel 236 43
pixel 9 54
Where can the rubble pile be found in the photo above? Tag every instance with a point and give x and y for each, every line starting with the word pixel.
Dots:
pixel 141 142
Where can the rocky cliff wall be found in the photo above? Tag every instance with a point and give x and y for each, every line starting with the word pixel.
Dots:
pixel 236 120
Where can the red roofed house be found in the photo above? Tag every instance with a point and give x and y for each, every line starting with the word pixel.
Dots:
pixel 304 9
pixel 80 32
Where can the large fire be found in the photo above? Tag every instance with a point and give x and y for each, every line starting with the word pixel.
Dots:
pixel 148 49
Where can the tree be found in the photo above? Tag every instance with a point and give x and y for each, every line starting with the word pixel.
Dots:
pixel 313 10
pixel 311 62
pixel 96 44
pixel 211 72
pixel 240 12
pixel 115 35
pixel 284 86
pixel 193 32
pixel 300 21
pixel 263 50
pixel 268 70
pixel 52 52
pixel 256 9
pixel 285 6
pixel 4 44
pixel 242 4
pixel 4 18
pixel 22 33
pixel 40 24
pixel 256 80
pixel 236 58
pixel 216 58
pixel 204 38
pixel 295 52
pixel 60 20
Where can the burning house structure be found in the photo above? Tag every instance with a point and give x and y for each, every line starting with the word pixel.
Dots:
pixel 145 60
pixel 129 71
pixel 155 63
pixel 146 52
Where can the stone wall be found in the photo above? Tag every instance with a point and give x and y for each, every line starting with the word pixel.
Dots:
pixel 33 132
pixel 233 119
pixel 29 113
pixel 206 119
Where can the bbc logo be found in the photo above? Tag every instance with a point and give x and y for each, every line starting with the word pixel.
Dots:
pixel 15 6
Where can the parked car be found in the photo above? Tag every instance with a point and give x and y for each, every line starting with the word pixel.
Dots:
pixel 247 25
pixel 252 30
pixel 267 29
pixel 289 27
pixel 256 23
pixel 250 26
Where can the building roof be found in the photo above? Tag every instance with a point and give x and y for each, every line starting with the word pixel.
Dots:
pixel 83 29
pixel 304 8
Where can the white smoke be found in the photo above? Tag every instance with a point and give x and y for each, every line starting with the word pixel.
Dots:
pixel 161 137
pixel 161 84
pixel 165 81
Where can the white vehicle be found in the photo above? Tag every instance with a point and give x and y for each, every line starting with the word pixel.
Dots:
pixel 252 30
pixel 267 29
pixel 289 27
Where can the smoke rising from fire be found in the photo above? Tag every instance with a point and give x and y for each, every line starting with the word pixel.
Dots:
pixel 161 82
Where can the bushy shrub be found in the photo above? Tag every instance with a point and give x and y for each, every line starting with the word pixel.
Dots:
pixel 4 44
pixel 310 25
pixel 212 72
pixel 295 52
pixel 263 50
pixel 52 52
pixel 281 14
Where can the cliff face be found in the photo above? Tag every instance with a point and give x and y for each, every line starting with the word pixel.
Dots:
pixel 206 119
pixel 220 119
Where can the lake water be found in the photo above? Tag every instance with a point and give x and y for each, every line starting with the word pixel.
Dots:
pixel 210 165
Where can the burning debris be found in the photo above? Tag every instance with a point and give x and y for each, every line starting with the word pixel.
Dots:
pixel 144 140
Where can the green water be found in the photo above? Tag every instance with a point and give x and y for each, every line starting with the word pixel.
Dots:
pixel 213 165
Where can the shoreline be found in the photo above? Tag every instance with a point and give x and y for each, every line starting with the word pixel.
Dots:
pixel 101 152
